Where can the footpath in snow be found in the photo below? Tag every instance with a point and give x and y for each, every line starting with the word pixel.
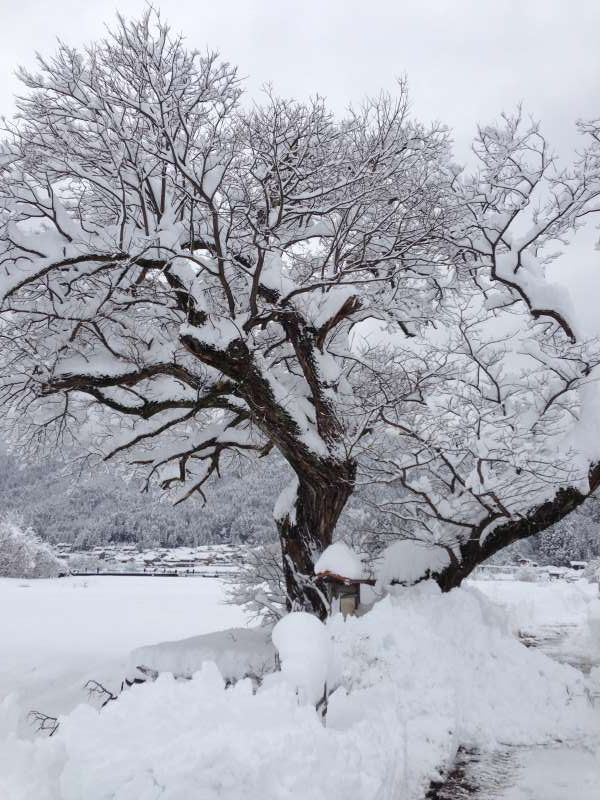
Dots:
pixel 562 620
pixel 409 683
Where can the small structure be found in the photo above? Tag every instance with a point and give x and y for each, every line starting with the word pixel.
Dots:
pixel 556 573
pixel 578 564
pixel 340 571
pixel 343 593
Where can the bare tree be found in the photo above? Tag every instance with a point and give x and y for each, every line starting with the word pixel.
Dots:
pixel 184 279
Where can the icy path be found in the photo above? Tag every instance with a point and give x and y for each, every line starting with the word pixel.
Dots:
pixel 560 771
pixel 555 773
pixel 56 634
pixel 569 771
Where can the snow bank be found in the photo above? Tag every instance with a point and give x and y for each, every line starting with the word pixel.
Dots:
pixel 341 560
pixel 411 680
pixel 407 561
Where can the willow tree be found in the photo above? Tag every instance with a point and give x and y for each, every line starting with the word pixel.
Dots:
pixel 185 277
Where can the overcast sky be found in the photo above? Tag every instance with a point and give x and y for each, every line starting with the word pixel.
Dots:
pixel 466 60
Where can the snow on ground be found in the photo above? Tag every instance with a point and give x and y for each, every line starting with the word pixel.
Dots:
pixel 410 681
pixel 55 634
pixel 565 614
pixel 531 604
pixel 563 620
pixel 556 773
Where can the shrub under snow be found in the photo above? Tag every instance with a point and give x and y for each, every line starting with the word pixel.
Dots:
pixel 24 555
pixel 409 561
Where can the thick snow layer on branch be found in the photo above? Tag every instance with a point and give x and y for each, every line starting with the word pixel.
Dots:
pixel 286 502
pixel 408 561
pixel 217 332
pixel 408 693
pixel 330 303
pixel 341 560
pixel 274 276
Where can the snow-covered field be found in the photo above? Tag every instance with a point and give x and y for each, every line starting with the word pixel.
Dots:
pixel 409 682
pixel 55 634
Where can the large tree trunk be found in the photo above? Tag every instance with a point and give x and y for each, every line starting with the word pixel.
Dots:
pixel 306 518
pixel 480 547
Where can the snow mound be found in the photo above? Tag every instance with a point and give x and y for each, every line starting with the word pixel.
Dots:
pixel 408 561
pixel 341 560
pixel 304 647
pixel 237 653
pixel 415 677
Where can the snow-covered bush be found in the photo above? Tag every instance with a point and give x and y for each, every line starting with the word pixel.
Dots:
pixel 24 555
pixel 592 571
pixel 409 561
pixel 306 653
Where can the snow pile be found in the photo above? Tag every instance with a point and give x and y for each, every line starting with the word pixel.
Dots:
pixel 408 561
pixel 304 647
pixel 341 560
pixel 411 680
pixel 563 616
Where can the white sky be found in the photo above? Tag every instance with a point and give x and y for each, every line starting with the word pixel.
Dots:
pixel 466 60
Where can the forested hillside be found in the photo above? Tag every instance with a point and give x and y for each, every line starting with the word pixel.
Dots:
pixel 90 510
pixel 94 510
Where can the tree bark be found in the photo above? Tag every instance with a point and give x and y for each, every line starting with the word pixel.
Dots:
pixel 306 529
pixel 474 551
